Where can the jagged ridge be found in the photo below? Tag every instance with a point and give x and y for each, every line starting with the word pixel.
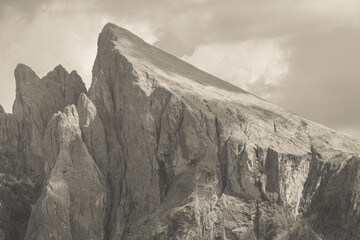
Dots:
pixel 158 149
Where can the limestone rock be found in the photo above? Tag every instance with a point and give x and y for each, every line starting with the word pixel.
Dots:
pixel 72 202
pixel 331 196
pixel 182 143
pixel 16 194
pixel 21 139
pixel 9 142
pixel 158 149
pixel 15 206
pixel 36 101
pixel 93 132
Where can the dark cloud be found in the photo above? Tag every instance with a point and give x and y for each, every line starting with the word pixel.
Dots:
pixel 27 8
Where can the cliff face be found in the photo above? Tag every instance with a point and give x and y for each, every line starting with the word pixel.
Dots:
pixel 158 149
pixel 71 205
pixel 22 157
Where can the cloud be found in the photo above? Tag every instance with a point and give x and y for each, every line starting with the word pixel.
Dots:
pixel 190 24
pixel 25 8
pixel 255 66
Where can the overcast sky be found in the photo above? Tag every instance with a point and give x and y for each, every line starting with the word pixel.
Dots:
pixel 303 55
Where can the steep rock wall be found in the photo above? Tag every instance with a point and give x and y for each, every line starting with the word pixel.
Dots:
pixel 180 152
pixel 22 159
pixel 72 202
pixel 158 149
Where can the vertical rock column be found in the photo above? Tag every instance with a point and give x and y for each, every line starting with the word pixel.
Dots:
pixel 72 202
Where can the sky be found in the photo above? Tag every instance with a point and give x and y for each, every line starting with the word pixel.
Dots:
pixel 303 55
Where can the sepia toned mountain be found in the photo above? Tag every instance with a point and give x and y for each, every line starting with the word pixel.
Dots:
pixel 158 149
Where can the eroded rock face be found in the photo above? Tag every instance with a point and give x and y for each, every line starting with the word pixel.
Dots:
pixel 158 149
pixel 22 157
pixel 15 205
pixel 188 152
pixel 72 202
pixel 93 132
pixel 36 101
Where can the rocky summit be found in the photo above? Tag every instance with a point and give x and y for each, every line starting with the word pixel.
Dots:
pixel 158 149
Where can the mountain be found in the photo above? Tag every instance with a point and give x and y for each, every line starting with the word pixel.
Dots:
pixel 158 149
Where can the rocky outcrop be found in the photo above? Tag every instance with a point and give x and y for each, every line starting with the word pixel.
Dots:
pixel 15 206
pixel 93 132
pixel 9 142
pixel 22 157
pixel 331 196
pixel 72 202
pixel 36 101
pixel 15 195
pixel 158 149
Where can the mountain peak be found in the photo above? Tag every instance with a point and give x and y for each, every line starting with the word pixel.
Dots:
pixel 168 70
pixel 159 149
pixel 60 68
pixel 118 32
pixel 24 73
pixel 110 25
pixel 59 74
pixel 45 95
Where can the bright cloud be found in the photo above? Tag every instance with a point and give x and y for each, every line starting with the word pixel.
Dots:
pixel 244 64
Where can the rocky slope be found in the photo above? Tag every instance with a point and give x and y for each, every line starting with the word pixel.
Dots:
pixel 158 149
